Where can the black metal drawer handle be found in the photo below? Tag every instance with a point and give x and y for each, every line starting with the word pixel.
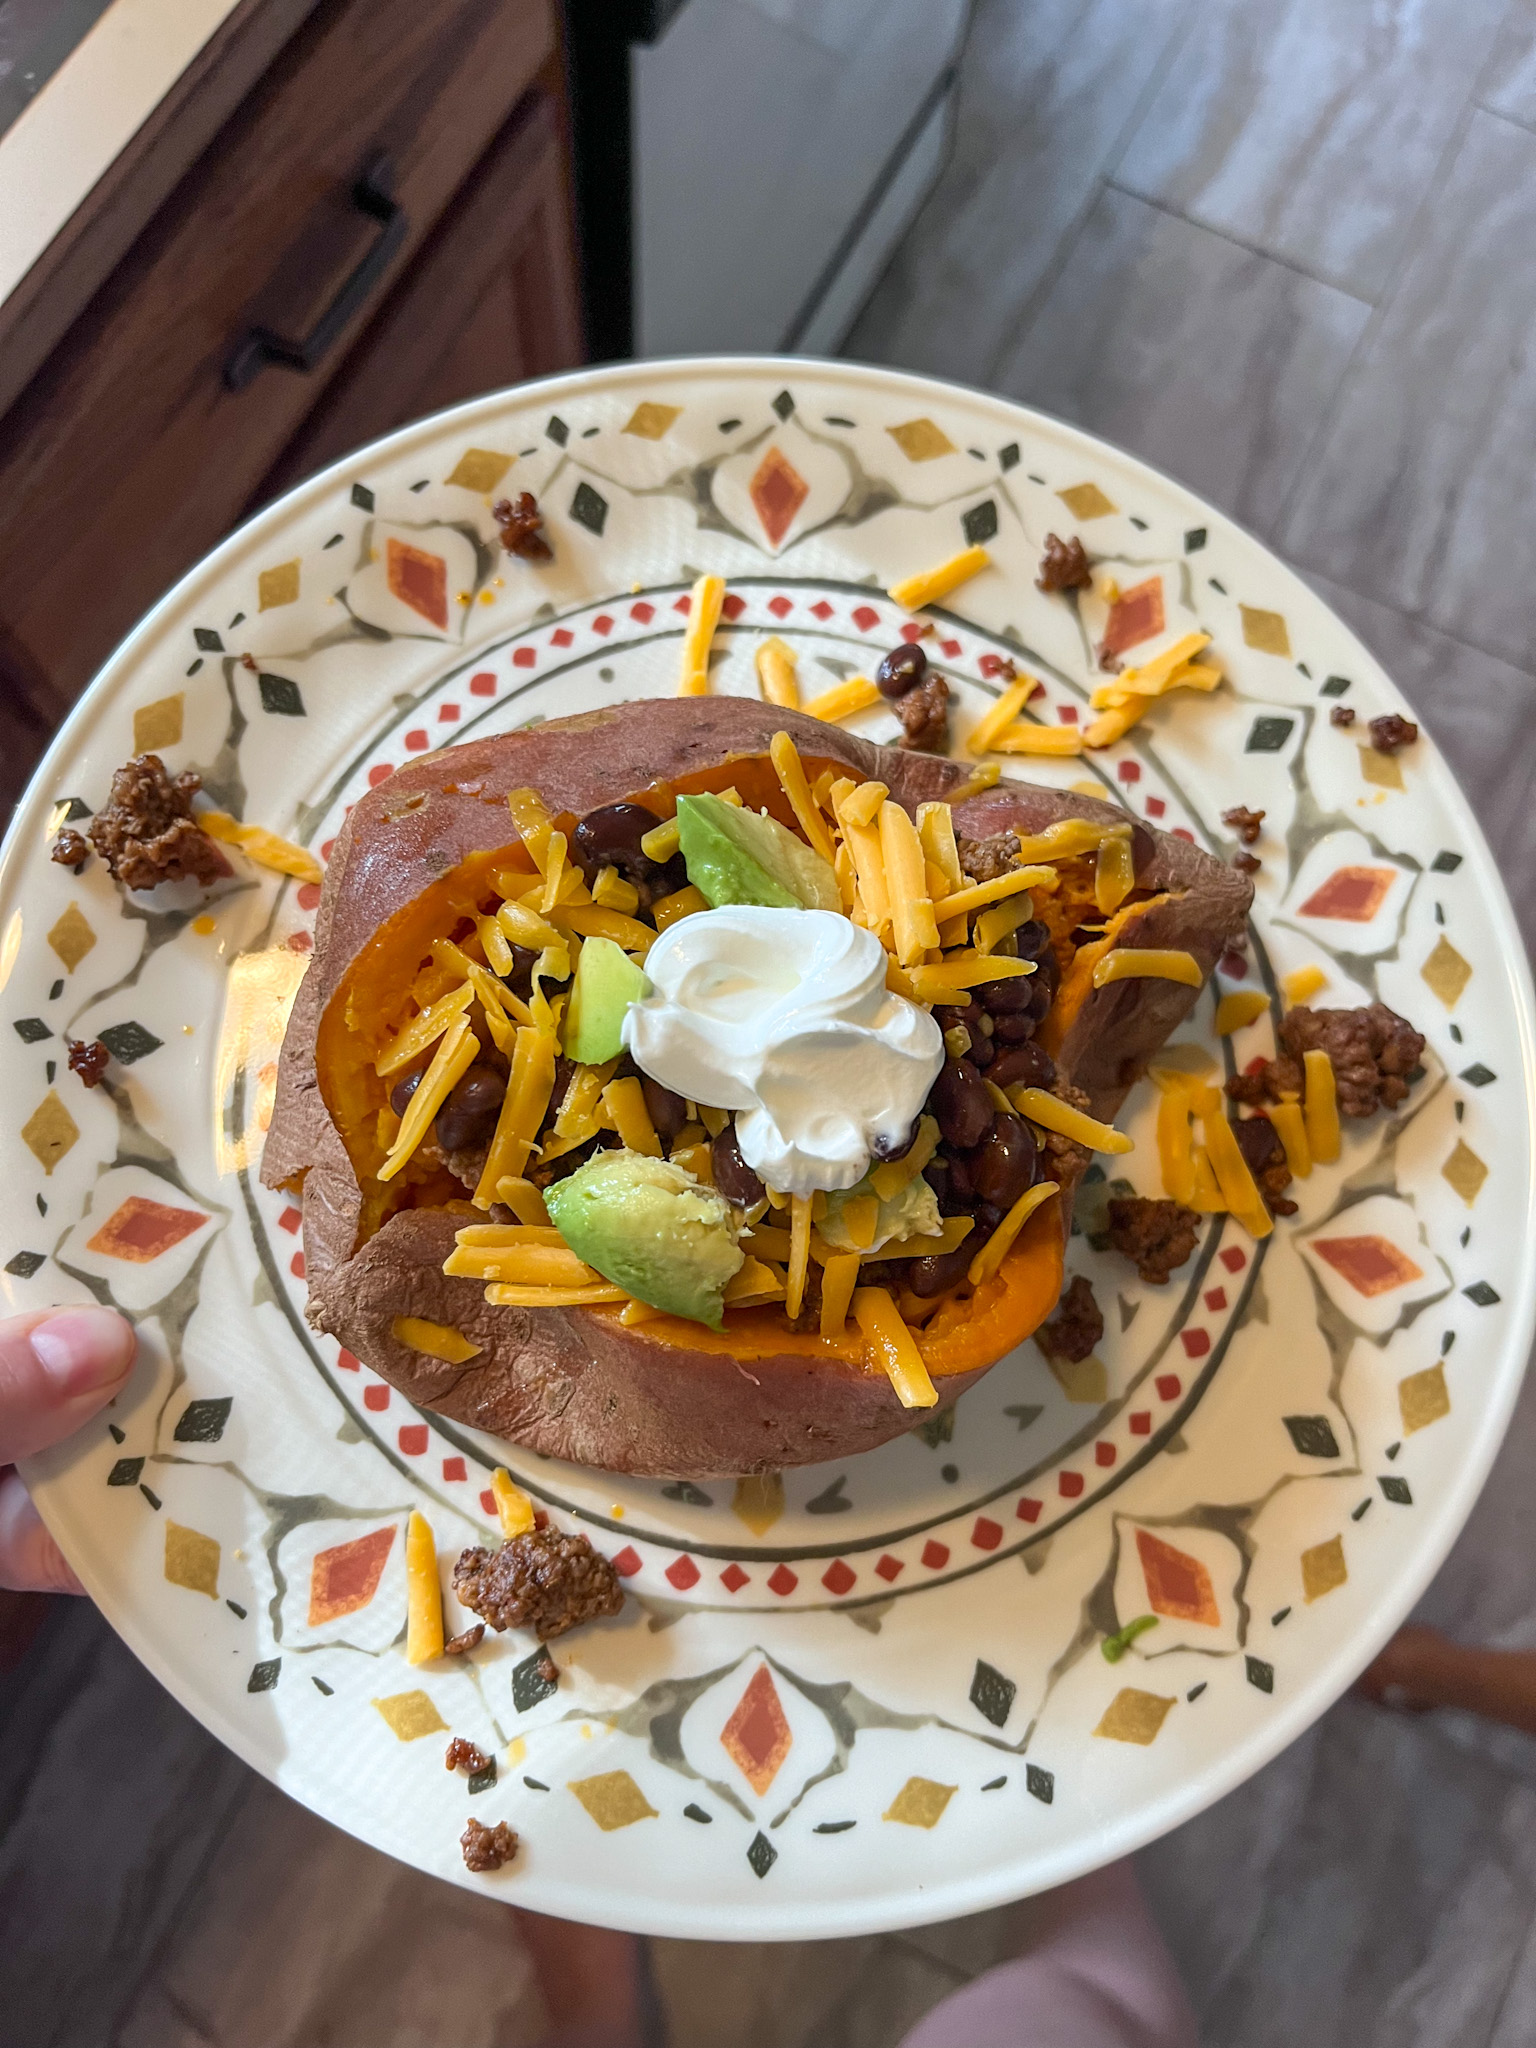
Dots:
pixel 283 325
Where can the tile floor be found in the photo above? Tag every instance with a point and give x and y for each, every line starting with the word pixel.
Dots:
pixel 1282 248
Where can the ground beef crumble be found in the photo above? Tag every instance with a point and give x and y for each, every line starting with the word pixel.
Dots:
pixel 1259 1143
pixel 1245 823
pixel 1373 1053
pixel 1341 714
pixel 542 1580
pixel 1247 863
pixel 1064 565
pixel 88 1058
pixel 461 1645
pixel 1054 1144
pixel 985 860
pixel 464 1755
pixel 487 1848
pixel 1391 732
pixel 924 715
pixel 1075 1328
pixel 146 833
pixel 69 849
pixel 522 527
pixel 1157 1236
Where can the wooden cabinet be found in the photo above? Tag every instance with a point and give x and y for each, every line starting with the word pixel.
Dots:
pixel 396 185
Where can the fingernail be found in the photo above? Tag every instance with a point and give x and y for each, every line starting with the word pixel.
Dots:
pixel 83 1349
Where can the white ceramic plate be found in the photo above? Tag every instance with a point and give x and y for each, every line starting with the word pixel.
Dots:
pixel 875 1692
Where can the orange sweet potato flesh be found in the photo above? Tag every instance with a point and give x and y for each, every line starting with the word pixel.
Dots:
pixel 664 1397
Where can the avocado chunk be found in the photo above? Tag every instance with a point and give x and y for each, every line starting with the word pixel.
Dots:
pixel 652 1229
pixel 607 982
pixel 912 1212
pixel 739 856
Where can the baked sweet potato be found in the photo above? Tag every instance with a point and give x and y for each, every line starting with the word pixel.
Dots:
pixel 664 1396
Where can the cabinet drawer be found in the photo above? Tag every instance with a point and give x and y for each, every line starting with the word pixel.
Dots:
pixel 491 300
pixel 129 455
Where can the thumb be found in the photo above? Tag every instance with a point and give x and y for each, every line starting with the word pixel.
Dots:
pixel 58 1366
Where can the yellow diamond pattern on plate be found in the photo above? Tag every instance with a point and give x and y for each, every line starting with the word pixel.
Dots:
pixel 158 725
pixel 613 1799
pixel 921 440
pixel 650 421
pixel 1323 1568
pixel 49 1131
pixel 411 1715
pixel 1087 501
pixel 1446 972
pixel 479 469
pixel 920 1803
pixel 72 937
pixel 1134 1716
pixel 1465 1172
pixel 191 1560
pixel 1423 1398
pixel 1266 631
pixel 1382 771
pixel 1081 1379
pixel 278 586
pixel 759 1501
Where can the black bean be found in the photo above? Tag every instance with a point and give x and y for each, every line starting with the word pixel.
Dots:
pixel 1033 939
pixel 520 980
pixel 960 1101
pixel 1013 1028
pixel 403 1090
pixel 668 1112
pixel 983 1051
pixel 1029 1065
pixel 469 1115
pixel 998 997
pixel 893 1148
pixel 610 838
pixel 941 1271
pixel 733 1177
pixel 1004 1163
pixel 901 670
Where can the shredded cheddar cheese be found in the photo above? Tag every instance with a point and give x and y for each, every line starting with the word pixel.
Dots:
pixel 1060 742
pixel 1000 922
pixel 681 903
pixel 422 1031
pixel 787 766
pixel 995 1250
pixel 1114 874
pixel 522 1110
pixel 1289 1120
pixel 913 924
pixel 553 1297
pixel 1239 1189
pixel 532 821
pixel 776 675
pixel 855 693
pixel 433 1340
pixel 1156 963
pixel 513 1507
pixel 839 1277
pixel 703 617
pixel 1175 1151
pixel 1052 1114
pixel 457 1052
pixel 524 1200
pixel 894 1347
pixel 799 1253
pixel 261 846
pixel 936 829
pixel 889 1179
pixel 611 892
pixel 913 592
pixel 1321 1106
pixel 625 1103
pixel 1302 984
pixel 1242 1007
pixel 999 716
pixel 660 843
pixel 423 1593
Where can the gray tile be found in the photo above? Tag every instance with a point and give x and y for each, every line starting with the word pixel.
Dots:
pixel 1475 705
pixel 1424 495
pixel 1509 84
pixel 1047 91
pixel 1312 129
pixel 758 1994
pixel 1370 1889
pixel 1213 363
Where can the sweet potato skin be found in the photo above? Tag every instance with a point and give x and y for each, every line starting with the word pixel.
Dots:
pixel 568 1383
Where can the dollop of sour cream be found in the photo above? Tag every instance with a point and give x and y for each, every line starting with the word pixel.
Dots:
pixel 784 1017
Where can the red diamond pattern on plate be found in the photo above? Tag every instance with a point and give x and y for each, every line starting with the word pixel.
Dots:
pixel 914 629
pixel 416 742
pixel 487 1502
pixel 602 624
pixel 781 1580
pixel 290 1220
pixel 866 618
pixel 347 1362
pixel 1104 1454
pixel 1155 807
pixel 379 772
pixel 1071 1484
pixel 1129 771
pixel 1067 713
pixel 325 851
pixel 1215 1299
pixel 642 613
pixel 455 1468
pixel 821 609
pixel 1234 1258
pixel 1232 965
pixel 682 1572
pixel 951 649
pixel 1196 1342
pixel 307 896
pixel 626 1564
pixel 683 604
pixel 732 606
pixel 777 491
pixel 781 607
pixel 1028 1510
pixel 346 1577
pixel 733 1578
pixel 838 1577
pixel 935 1555
pixel 484 684
pixel 1183 832
pixel 987 1534
pixel 1169 1386
pixel 562 636
pixel 413 1438
pixel 447 713
pixel 525 657
pixel 376 1399
pixel 1141 1422
pixel 889 1568
pixel 296 1263
pixel 757 1737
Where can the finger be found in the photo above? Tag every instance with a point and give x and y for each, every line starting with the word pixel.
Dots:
pixel 57 1367
pixel 30 1560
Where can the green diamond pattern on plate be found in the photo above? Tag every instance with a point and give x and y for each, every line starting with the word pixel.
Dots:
pixel 129 1042
pixel 1312 1435
pixel 761 1854
pixel 1480 1292
pixel 25 1264
pixel 992 1695
pixel 362 497
pixel 1396 1490
pixel 980 524
pixel 1336 686
pixel 202 1422
pixel 1039 1783
pixel 589 508
pixel 280 695
pixel 1260 1674
pixel 530 1682
pixel 264 1675
pixel 125 1472
pixel 32 1030
pixel 1477 1075
pixel 1268 735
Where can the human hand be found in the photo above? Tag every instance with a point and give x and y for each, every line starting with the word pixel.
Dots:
pixel 58 1366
